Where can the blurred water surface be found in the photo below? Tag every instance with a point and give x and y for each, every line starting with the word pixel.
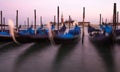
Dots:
pixel 44 57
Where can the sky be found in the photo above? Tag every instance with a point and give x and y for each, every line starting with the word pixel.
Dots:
pixel 48 9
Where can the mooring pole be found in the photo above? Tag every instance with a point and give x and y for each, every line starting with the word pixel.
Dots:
pixel 114 22
pixel 4 22
pixel 100 20
pixel 83 24
pixel 17 20
pixel 28 22
pixel 62 19
pixel 41 21
pixel 114 17
pixel 58 17
pixel 69 21
pixel 117 19
pixel 35 21
pixel 1 21
pixel 54 20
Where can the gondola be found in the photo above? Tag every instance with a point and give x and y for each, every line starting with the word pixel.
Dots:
pixel 41 35
pixel 100 36
pixel 5 36
pixel 30 36
pixel 117 35
pixel 72 36
pixel 27 35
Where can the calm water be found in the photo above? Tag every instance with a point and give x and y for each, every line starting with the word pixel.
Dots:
pixel 44 57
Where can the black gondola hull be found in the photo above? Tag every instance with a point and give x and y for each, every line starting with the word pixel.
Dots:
pixel 59 40
pixel 101 40
pixel 25 38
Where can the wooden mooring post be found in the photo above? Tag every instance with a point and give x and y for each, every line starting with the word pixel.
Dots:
pixel 27 22
pixel 83 25
pixel 1 20
pixel 117 19
pixel 54 20
pixel 114 17
pixel 114 22
pixel 69 21
pixel 100 19
pixel 35 21
pixel 58 17
pixel 4 23
pixel 17 20
pixel 41 24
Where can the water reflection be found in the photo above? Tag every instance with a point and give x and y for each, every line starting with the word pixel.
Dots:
pixel 106 53
pixel 8 46
pixel 42 57
pixel 38 47
pixel 62 53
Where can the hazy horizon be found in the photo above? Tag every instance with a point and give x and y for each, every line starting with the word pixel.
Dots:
pixel 47 9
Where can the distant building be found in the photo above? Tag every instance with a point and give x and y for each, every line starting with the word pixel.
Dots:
pixel 85 23
pixel 72 22
pixel 112 24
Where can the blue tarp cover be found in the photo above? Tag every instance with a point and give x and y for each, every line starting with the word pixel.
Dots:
pixel 29 31
pixel 4 33
pixel 42 31
pixel 75 31
pixel 71 33
pixel 67 35
pixel 108 29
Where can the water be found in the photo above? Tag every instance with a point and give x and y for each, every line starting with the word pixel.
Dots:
pixel 44 57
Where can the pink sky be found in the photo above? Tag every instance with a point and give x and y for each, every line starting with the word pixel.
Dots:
pixel 48 8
